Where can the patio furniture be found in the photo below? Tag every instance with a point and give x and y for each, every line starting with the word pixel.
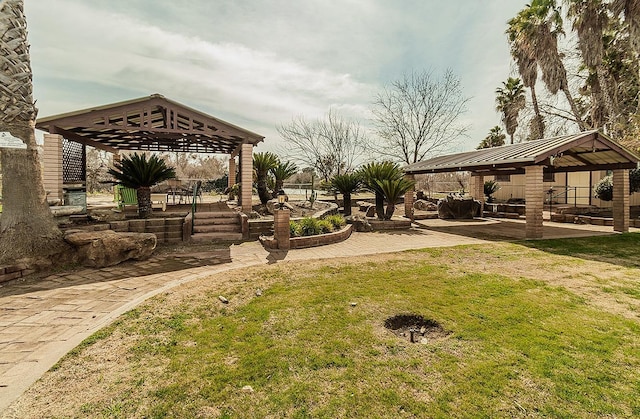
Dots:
pixel 159 200
pixel 126 196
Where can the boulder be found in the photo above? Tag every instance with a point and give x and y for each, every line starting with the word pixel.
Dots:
pixel 98 249
pixel 273 204
pixel 371 212
pixel 422 205
pixel 457 207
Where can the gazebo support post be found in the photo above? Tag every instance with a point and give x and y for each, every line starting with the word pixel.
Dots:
pixel 408 199
pixel 534 199
pixel 477 191
pixel 52 174
pixel 246 176
pixel 232 172
pixel 621 200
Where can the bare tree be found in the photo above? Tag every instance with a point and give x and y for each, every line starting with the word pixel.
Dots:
pixel 419 116
pixel 332 145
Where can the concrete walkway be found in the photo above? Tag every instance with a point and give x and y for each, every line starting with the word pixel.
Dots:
pixel 43 319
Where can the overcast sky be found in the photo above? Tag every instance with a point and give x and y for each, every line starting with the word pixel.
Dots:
pixel 259 63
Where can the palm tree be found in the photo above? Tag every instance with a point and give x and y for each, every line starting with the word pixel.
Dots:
pixel 27 228
pixel 141 174
pixel 282 172
pixel 373 172
pixel 346 184
pixel 262 164
pixel 510 101
pixel 522 52
pixel 494 139
pixel 590 18
pixel 393 189
pixel 540 24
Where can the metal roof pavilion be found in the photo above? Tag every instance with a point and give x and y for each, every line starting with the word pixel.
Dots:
pixel 585 151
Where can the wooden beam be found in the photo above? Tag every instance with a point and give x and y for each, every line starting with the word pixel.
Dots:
pixel 82 140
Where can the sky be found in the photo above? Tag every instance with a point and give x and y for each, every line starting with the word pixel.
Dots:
pixel 259 64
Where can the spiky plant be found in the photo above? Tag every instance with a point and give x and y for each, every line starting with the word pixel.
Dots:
pixel 140 173
pixel 281 172
pixel 346 184
pixel 377 171
pixel 262 164
pixel 490 187
pixel 393 189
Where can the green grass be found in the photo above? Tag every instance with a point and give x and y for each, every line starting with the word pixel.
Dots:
pixel 517 346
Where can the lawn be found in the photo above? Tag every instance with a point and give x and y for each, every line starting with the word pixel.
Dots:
pixel 531 331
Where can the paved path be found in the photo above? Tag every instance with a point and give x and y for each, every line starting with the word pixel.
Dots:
pixel 43 319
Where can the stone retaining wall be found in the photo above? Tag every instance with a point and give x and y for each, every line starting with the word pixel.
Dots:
pixel 167 230
pixel 7 273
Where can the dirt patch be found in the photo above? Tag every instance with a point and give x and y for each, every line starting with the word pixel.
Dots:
pixel 415 328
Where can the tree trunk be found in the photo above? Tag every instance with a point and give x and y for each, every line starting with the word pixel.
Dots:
pixel 347 204
pixel 606 95
pixel 536 109
pixel 391 208
pixel 574 108
pixel 27 228
pixel 144 202
pixel 263 192
pixel 380 205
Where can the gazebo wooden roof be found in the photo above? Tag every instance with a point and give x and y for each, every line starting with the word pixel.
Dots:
pixel 152 123
pixel 585 151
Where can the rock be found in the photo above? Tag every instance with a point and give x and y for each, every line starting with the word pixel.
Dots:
pixel 354 304
pixel 223 299
pixel 422 205
pixel 66 210
pixel 424 341
pixel 258 292
pixel 457 207
pixel 371 211
pixel 247 389
pixel 98 249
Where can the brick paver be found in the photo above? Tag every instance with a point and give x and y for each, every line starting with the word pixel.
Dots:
pixel 41 320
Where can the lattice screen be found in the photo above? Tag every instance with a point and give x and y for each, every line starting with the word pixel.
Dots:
pixel 73 162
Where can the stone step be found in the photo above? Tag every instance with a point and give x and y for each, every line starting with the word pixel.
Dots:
pixel 218 228
pixel 213 237
pixel 216 221
pixel 215 214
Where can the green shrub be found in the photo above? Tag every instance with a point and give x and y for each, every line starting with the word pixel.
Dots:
pixel 294 229
pixel 337 221
pixel 310 226
pixel 604 189
pixel 325 226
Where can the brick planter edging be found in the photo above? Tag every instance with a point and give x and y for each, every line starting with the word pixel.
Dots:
pixel 18 270
pixel 310 241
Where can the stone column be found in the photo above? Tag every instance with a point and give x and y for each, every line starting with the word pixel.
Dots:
pixel 281 232
pixel 232 172
pixel 621 200
pixel 534 196
pixel 477 191
pixel 246 177
pixel 52 171
pixel 408 199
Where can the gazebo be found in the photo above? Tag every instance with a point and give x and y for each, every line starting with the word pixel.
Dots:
pixel 152 123
pixel 585 151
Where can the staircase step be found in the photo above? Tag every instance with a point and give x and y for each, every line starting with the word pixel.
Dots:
pixel 210 237
pixel 218 228
pixel 215 221
pixel 215 214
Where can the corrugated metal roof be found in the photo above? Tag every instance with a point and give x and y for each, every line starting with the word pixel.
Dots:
pixel 576 150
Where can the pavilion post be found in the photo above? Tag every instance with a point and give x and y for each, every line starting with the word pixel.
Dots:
pixel 246 176
pixel 408 199
pixel 52 174
pixel 232 172
pixel 534 200
pixel 477 191
pixel 621 200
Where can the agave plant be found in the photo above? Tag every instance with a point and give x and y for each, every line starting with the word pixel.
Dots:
pixel 262 164
pixel 346 184
pixel 281 172
pixel 373 172
pixel 393 189
pixel 141 174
